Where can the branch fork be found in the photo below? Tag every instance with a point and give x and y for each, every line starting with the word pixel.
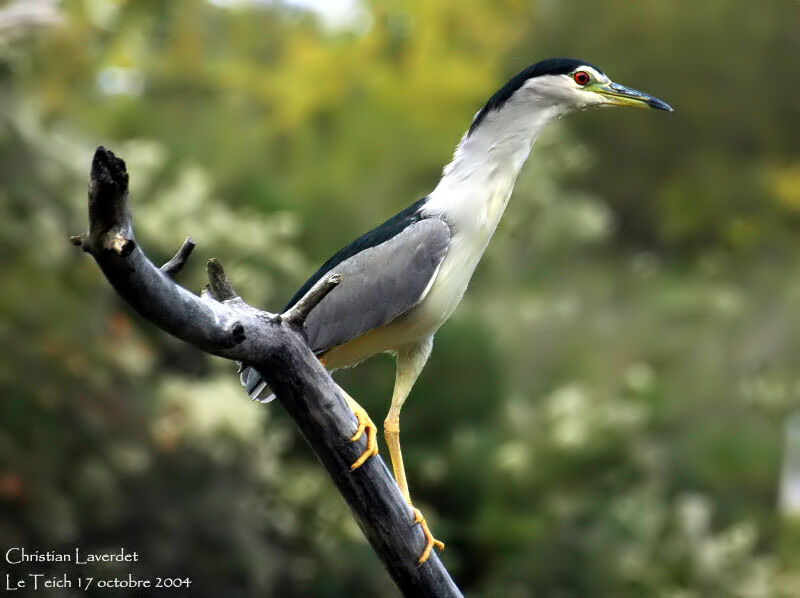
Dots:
pixel 220 322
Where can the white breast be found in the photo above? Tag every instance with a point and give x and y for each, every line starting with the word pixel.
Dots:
pixel 438 303
pixel 471 197
pixel 469 240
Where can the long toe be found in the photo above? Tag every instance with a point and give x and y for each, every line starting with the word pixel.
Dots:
pixel 430 541
pixel 365 424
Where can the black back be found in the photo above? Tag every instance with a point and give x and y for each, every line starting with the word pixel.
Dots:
pixel 376 236
pixel 551 66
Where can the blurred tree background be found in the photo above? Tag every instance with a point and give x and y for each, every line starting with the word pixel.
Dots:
pixel 604 415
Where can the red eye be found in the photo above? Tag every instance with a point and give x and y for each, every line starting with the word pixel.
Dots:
pixel 581 77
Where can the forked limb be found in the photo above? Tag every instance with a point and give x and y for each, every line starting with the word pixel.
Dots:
pixel 223 324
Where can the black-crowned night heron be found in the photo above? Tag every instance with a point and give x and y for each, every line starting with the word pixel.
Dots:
pixel 402 280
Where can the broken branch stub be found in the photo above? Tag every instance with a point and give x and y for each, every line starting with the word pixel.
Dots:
pixel 297 314
pixel 176 264
pixel 221 323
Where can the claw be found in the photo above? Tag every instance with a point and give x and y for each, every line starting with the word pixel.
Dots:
pixel 430 541
pixel 365 424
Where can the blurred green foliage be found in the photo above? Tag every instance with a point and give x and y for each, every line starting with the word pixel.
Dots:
pixel 604 414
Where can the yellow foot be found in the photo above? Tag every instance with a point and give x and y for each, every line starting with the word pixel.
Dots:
pixel 430 541
pixel 364 424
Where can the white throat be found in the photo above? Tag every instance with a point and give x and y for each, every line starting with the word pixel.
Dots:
pixel 476 185
pixel 471 198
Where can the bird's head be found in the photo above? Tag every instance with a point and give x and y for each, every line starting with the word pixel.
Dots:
pixel 565 85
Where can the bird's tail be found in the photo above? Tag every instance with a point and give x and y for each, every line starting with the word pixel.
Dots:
pixel 254 384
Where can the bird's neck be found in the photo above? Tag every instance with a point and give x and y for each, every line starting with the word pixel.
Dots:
pixel 476 185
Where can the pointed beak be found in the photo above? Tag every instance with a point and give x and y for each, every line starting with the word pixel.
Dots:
pixel 619 95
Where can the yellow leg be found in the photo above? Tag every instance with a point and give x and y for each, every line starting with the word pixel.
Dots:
pixel 410 362
pixel 365 424
pixel 391 431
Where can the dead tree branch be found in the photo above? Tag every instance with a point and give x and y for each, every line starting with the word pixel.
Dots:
pixel 175 265
pixel 221 323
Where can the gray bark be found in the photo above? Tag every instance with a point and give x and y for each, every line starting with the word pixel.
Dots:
pixel 221 323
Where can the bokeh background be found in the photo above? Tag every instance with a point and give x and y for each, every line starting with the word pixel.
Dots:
pixel 608 413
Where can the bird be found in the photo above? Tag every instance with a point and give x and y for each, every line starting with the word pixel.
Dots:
pixel 403 279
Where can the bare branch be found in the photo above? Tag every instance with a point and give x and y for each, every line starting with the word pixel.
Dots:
pixel 221 323
pixel 175 265
pixel 298 313
pixel 218 282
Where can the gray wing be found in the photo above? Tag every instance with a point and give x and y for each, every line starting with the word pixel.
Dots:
pixel 379 284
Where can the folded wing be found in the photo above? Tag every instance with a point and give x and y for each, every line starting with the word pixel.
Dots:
pixel 379 284
pixel 385 273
